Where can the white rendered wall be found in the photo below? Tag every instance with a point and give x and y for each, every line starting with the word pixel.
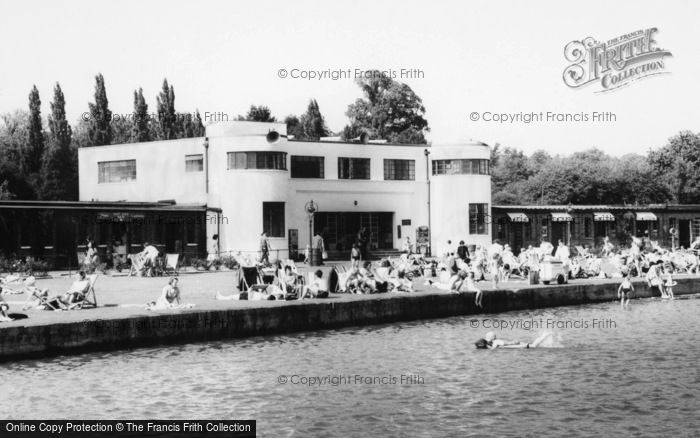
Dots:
pixel 160 172
pixel 451 196
pixel 239 193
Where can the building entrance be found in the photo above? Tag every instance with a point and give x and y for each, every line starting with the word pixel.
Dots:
pixel 340 229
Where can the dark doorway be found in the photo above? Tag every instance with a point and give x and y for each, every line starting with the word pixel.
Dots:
pixel 558 233
pixel 339 229
pixel 518 240
pixel 684 233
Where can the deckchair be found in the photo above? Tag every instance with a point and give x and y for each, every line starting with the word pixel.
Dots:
pixel 137 263
pixel 171 261
pixel 41 295
pixel 88 298
pixel 249 276
pixel 340 286
pixel 81 258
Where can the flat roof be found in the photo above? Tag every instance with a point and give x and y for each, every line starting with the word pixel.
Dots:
pixel 101 205
pixel 602 208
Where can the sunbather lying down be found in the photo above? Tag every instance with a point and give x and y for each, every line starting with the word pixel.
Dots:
pixel 5 315
pixel 169 298
pixel 40 297
pixel 255 293
pixel 489 341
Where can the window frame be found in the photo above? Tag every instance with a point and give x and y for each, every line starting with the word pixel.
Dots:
pixel 268 220
pixel 296 159
pixel 478 226
pixel 391 170
pixel 256 160
pixel 188 160
pixel 352 163
pixel 466 166
pixel 104 166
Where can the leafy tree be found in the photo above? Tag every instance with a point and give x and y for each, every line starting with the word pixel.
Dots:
pixel 310 126
pixel 636 182
pixel 192 126
pixel 99 127
pixel 122 130
pixel 33 150
pixel 388 109
pixel 59 170
pixel 16 183
pixel 168 126
pixel 259 114
pixel 678 166
pixel 5 192
pixel 81 138
pixel 508 165
pixel 141 130
pixel 312 122
pixel 14 130
pixel 293 126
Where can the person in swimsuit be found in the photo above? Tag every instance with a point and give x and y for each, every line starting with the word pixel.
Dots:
pixel 624 291
pixel 491 342
pixel 668 282
pixel 355 256
pixel 468 285
pixel 4 309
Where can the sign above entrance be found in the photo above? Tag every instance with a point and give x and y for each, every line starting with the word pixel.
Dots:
pixel 646 216
pixel 603 217
pixel 518 217
pixel 561 217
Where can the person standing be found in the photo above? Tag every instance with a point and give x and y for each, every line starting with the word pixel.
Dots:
pixel 624 291
pixel 318 245
pixel 355 256
pixel 408 246
pixel 463 252
pixel 362 239
pixel 264 249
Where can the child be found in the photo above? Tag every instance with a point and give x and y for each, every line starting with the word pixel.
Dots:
pixel 496 264
pixel 355 256
pixel 314 290
pixel 469 285
pixel 668 283
pixel 624 291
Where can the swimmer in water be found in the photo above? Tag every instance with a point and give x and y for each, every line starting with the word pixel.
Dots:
pixel 489 341
pixel 624 291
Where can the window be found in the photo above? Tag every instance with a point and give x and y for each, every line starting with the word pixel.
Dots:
pixel 116 171
pixel 400 170
pixel 273 219
pixel 353 168
pixel 194 163
pixel 461 167
pixel 307 167
pixel 477 218
pixel 257 160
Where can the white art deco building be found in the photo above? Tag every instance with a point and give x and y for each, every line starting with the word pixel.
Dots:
pixel 250 178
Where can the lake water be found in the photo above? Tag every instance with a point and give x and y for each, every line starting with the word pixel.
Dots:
pixel 604 371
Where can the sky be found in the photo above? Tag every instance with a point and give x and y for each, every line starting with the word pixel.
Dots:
pixel 474 57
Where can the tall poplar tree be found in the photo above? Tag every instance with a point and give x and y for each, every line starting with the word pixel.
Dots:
pixel 99 128
pixel 167 118
pixel 141 129
pixel 59 173
pixel 33 150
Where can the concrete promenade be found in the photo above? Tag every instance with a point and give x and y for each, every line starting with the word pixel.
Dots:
pixel 121 321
